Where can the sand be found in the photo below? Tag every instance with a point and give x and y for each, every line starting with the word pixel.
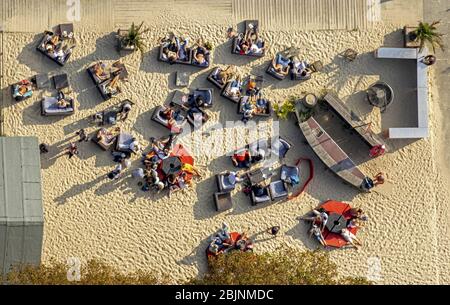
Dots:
pixel 405 241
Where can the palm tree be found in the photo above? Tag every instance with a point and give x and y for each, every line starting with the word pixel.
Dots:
pixel 427 34
pixel 134 37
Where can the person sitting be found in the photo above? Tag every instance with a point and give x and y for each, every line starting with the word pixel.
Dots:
pixel 252 89
pixel 248 110
pixel 99 71
pixel 235 87
pixel 190 169
pixel 193 106
pixel 225 75
pixel 259 190
pixel 317 232
pixel 134 145
pixel 63 103
pixel 182 49
pixel 200 55
pixel 319 218
pixel 244 47
pixel 259 156
pixel 113 86
pixel 261 106
pixel 241 159
pixel 106 136
pixel 233 177
pixel 350 238
pixel 124 111
pixel 281 64
pixel 172 181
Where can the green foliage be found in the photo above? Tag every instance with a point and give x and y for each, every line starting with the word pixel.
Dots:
pixel 305 114
pixel 283 109
pixel 427 34
pixel 92 273
pixel 134 37
pixel 283 267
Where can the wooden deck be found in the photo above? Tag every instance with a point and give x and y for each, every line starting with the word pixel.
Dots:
pixel 331 154
pixel 362 128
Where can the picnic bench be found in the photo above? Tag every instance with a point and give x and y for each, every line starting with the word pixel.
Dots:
pixel 362 128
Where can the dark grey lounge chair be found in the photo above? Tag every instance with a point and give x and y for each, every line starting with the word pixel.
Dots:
pixel 280 147
pixel 212 77
pixel 158 118
pixel 105 92
pixel 268 112
pixel 260 199
pixel 163 58
pixel 287 172
pixel 278 190
pixel 123 142
pixel 194 62
pixel 235 49
pixel 49 107
pixel 226 93
pixel 206 93
pixel 223 201
pixel 67 50
pixel 224 184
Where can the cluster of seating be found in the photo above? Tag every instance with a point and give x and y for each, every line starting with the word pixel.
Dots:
pixel 246 93
pixel 59 103
pixel 106 78
pixel 59 44
pixel 184 108
pixel 113 114
pixel 116 140
pixel 176 50
pixel 249 43
pixel 283 65
pixel 253 154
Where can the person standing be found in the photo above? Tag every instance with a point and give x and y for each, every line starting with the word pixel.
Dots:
pixel 72 150
pixel 274 230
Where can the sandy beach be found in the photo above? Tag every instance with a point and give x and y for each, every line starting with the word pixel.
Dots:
pixel 407 237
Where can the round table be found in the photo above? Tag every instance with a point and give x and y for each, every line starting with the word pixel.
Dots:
pixel 336 223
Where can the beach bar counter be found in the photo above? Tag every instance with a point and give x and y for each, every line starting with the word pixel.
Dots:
pixel 21 212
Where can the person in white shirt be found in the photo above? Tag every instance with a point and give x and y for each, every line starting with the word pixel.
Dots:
pixel 351 238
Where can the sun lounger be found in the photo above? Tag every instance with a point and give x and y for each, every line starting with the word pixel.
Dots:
pixel 123 142
pixel 197 119
pixel 278 190
pixel 213 78
pixel 289 174
pixel 280 147
pixel 108 72
pixel 249 25
pixel 206 93
pixel 106 91
pixel 66 49
pixel 158 118
pixel 260 199
pixel 224 184
pixel 17 96
pixel 61 81
pixel 267 113
pixel 108 142
pixel 223 201
pixel 195 63
pixel 49 107
pixel 163 58
pixel 226 93
pixel 280 76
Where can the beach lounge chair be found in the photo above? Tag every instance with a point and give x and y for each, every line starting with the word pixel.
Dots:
pixel 62 50
pixel 224 184
pixel 278 190
pixel 259 111
pixel 316 66
pixel 108 141
pixel 61 81
pixel 123 142
pixel 260 199
pixel 206 93
pixel 300 70
pixel 163 57
pixel 106 91
pixel 197 119
pixel 227 91
pixel 255 148
pixel 223 201
pixel 160 119
pixel 284 62
pixel 15 90
pixel 207 57
pixel 108 72
pixel 213 77
pixel 252 26
pixel 49 107
pixel 290 174
pixel 280 147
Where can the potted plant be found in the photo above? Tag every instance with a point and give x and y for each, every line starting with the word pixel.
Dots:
pixel 424 33
pixel 132 40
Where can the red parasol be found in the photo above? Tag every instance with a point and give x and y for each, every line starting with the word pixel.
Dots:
pixel 181 152
pixel 342 209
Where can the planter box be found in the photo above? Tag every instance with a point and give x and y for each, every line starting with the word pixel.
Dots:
pixel 123 49
pixel 408 42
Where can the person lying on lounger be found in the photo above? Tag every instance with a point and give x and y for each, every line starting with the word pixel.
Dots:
pixel 113 86
pixel 105 136
pixel 254 43
pixel 99 71
pixel 235 88
pixel 225 75
pixel 281 64
pixel 200 54
pixel 23 90
pixel 241 159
